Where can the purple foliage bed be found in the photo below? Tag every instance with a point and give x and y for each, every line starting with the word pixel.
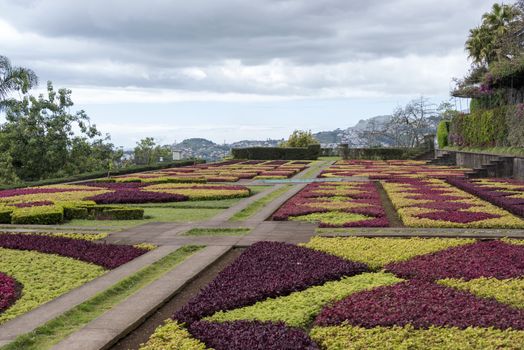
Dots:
pixel 251 335
pixel 8 291
pixel 266 269
pixel 493 195
pixel 108 256
pixel 421 304
pixel 482 259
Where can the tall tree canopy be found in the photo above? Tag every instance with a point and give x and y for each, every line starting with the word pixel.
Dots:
pixel 14 79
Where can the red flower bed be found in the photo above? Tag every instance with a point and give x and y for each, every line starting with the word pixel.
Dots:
pixel 421 304
pixel 8 291
pixel 109 256
pixel 497 195
pixel 266 269
pixel 482 259
pixel 246 335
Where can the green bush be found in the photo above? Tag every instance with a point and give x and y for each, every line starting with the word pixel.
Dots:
pixel 442 133
pixel 121 214
pixel 45 215
pixel 71 213
pixel 311 152
pixel 481 128
pixel 5 215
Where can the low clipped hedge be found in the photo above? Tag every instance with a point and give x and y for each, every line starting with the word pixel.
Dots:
pixel 5 215
pixel 382 153
pixel 45 215
pixel 311 152
pixel 442 133
pixel 122 214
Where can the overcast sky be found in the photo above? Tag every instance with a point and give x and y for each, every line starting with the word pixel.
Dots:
pixel 245 69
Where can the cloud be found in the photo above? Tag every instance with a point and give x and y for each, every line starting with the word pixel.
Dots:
pixel 161 50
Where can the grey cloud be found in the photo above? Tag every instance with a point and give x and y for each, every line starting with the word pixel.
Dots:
pixel 157 39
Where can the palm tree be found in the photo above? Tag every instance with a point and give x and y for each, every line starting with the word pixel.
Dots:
pixel 14 79
pixel 498 19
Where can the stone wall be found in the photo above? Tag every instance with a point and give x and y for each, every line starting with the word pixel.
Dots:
pixel 501 166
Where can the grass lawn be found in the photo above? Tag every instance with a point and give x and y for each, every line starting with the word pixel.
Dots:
pixel 315 167
pixel 44 337
pixel 152 214
pixel 256 206
pixel 209 231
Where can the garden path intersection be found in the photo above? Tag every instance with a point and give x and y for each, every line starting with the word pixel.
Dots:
pixel 348 203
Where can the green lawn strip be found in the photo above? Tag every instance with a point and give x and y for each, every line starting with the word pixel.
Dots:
pixel 313 169
pixel 254 207
pixel 52 332
pixel 210 231
pixel 152 215
pixel 330 158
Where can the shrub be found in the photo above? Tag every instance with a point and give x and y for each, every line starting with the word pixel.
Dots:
pixel 442 133
pixel 122 214
pixel 5 215
pixel 46 215
pixel 8 291
pixel 267 153
pixel 71 213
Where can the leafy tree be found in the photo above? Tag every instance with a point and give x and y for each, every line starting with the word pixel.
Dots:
pixel 484 44
pixel 144 151
pixel 14 79
pixel 44 139
pixel 300 138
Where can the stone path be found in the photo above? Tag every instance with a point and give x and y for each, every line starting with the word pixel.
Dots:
pixel 29 321
pixel 126 316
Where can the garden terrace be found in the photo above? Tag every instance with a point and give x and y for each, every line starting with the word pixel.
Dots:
pixel 102 200
pixel 389 169
pixel 435 203
pixel 36 268
pixel 342 204
pixel 230 171
pixel 383 297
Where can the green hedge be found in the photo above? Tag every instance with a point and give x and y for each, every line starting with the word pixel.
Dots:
pixel 277 153
pixel 382 153
pixel 102 174
pixel 71 213
pixel 121 214
pixel 442 133
pixel 481 128
pixel 5 215
pixel 46 215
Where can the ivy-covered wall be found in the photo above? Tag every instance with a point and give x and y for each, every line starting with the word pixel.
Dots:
pixel 502 127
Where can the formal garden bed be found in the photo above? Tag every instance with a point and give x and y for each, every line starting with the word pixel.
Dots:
pixel 354 293
pixel 436 203
pixel 228 171
pixel 388 169
pixel 37 268
pixel 505 193
pixel 340 204
pixel 102 200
